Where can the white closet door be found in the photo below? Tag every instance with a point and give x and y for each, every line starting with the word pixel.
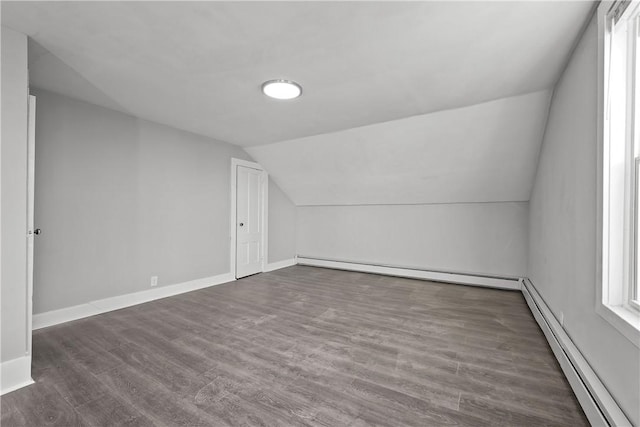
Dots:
pixel 248 221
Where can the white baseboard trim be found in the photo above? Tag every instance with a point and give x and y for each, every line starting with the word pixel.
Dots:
pixel 92 308
pixel 596 401
pixel 414 273
pixel 279 264
pixel 15 374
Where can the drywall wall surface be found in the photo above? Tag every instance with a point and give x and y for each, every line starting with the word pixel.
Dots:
pixel 282 225
pixel 562 228
pixel 14 194
pixel 481 153
pixel 487 238
pixel 121 199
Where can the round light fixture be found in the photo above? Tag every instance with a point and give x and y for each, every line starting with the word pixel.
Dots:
pixel 281 89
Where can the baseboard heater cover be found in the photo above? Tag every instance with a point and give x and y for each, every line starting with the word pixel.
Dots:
pixel 476 279
pixel 596 401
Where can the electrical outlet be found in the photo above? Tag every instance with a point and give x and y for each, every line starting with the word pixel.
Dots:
pixel 154 281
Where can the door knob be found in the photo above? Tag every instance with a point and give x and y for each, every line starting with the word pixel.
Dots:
pixel 242 224
pixel 37 231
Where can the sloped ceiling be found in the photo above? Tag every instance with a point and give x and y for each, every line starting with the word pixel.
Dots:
pixel 199 65
pixel 404 102
pixel 483 153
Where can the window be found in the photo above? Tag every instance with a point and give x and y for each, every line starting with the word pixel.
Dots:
pixel 620 165
pixel 622 106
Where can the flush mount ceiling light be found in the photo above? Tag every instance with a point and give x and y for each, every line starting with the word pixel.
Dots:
pixel 281 89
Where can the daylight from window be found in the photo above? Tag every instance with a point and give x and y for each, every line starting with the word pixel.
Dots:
pixel 621 161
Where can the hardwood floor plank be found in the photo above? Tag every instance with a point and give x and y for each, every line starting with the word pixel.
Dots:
pixel 168 350
pixel 422 413
pixel 71 343
pixel 301 346
pixel 73 382
pixel 175 378
pixel 40 405
pixel 109 410
pixel 156 403
pixel 499 413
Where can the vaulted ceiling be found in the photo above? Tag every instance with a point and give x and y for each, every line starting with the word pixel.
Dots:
pixel 483 153
pixel 388 86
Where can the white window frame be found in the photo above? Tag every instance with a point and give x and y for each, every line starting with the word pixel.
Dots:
pixel 616 214
pixel 634 288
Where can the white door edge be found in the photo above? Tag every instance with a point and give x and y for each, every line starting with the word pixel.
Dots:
pixel 31 156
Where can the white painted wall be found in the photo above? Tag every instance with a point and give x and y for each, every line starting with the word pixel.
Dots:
pixel 282 225
pixel 14 195
pixel 482 153
pixel 121 199
pixel 562 228
pixel 489 238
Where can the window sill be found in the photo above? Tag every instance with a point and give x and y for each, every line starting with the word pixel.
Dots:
pixel 625 320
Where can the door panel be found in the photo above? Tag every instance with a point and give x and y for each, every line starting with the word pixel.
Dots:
pixel 248 221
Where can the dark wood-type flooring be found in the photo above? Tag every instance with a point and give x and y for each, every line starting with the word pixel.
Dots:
pixel 301 346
